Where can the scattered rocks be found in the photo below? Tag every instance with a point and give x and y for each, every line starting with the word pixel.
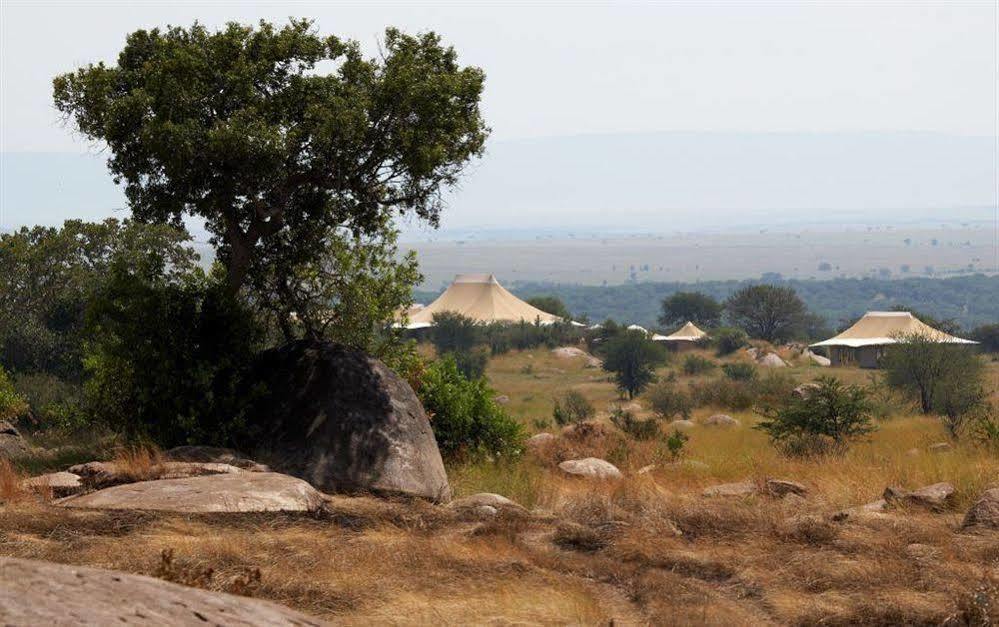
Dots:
pixel 984 514
pixel 771 360
pixel 740 488
pixel 935 497
pixel 721 420
pixel 939 447
pixel 783 487
pixel 590 467
pixel 344 422
pixel 243 492
pixel 12 444
pixel 682 425
pixel 59 483
pixel 213 455
pixel 42 593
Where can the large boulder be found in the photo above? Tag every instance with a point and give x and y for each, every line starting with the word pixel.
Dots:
pixel 42 593
pixel 344 422
pixel 590 467
pixel 11 443
pixel 984 514
pixel 818 359
pixel 771 360
pixel 243 492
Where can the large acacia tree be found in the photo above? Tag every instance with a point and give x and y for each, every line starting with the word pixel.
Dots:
pixel 266 131
pixel 768 312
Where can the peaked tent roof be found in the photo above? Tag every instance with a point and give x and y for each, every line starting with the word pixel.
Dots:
pixel 687 333
pixel 481 298
pixel 884 327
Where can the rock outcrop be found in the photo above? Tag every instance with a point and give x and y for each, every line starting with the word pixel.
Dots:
pixel 242 492
pixel 344 422
pixel 590 467
pixel 43 593
pixel 771 360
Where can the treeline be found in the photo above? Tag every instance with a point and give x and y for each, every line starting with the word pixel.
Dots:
pixel 969 301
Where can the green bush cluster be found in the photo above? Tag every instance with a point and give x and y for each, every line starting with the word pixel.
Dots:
pixel 637 428
pixel 12 404
pixel 727 340
pixel 695 364
pixel 739 371
pixel 572 407
pixel 668 401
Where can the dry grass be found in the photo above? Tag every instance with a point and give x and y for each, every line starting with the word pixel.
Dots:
pixel 10 483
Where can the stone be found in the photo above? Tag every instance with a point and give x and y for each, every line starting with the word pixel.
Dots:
pixel 805 390
pixel 741 488
pixel 644 470
pixel 502 399
pixel 213 455
pixel 594 362
pixel 569 352
pixel 633 406
pixel 590 467
pixel 935 497
pixel 818 360
pixel 872 509
pixel 485 511
pixel 939 447
pixel 539 440
pixel 984 514
pixel 59 483
pixel 96 475
pixel 782 487
pixel 344 422
pixel 771 360
pixel 682 425
pixel 34 592
pixel 12 444
pixel 793 501
pixel 721 420
pixel 243 492
pixel 485 499
pixel 753 352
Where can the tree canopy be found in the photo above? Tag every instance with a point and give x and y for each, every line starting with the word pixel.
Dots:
pixel 767 312
pixel 632 357
pixel 694 307
pixel 550 304
pixel 248 129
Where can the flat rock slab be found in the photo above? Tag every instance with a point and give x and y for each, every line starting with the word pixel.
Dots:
pixel 741 488
pixel 60 483
pixel 42 593
pixel 590 467
pixel 244 492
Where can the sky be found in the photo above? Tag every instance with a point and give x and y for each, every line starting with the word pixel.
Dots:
pixel 569 69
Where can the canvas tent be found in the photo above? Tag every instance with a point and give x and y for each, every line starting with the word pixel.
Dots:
pixel 481 298
pixel 684 337
pixel 865 342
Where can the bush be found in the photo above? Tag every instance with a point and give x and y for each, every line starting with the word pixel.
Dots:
pixel 465 418
pixel 638 429
pixel 739 371
pixel 723 393
pixel 675 443
pixel 454 333
pixel 572 407
pixel 12 404
pixel 983 425
pixel 695 364
pixel 728 340
pixel 471 363
pixel 773 388
pixel 834 412
pixel 632 357
pixel 988 336
pixel 503 337
pixel 667 401
pixel 55 403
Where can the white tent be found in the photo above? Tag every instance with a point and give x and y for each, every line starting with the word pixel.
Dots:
pixel 481 298
pixel 688 333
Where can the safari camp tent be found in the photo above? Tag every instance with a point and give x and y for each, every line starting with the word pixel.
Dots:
pixel 481 298
pixel 864 343
pixel 684 338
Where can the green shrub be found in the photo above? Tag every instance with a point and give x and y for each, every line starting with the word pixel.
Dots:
pixel 739 371
pixel 695 364
pixel 727 340
pixel 833 412
pixel 572 407
pixel 723 393
pixel 12 404
pixel 675 443
pixel 471 363
pixel 983 425
pixel 55 403
pixel 637 428
pixel 453 333
pixel 632 357
pixel 668 401
pixel 773 388
pixel 523 335
pixel 465 418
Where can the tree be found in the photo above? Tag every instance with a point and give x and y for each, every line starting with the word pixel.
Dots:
pixel 830 410
pixel 694 307
pixel 571 407
pixel 945 378
pixel 632 357
pixel 550 304
pixel 988 336
pixel 12 404
pixel 245 128
pixel 453 332
pixel 768 312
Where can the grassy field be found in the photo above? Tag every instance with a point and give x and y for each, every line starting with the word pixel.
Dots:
pixel 648 549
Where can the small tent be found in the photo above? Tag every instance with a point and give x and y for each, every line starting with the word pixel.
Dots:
pixel 864 343
pixel 684 337
pixel 481 298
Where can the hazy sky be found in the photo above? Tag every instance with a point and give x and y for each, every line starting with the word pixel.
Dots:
pixel 580 68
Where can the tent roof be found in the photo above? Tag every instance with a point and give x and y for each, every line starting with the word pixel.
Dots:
pixel 884 327
pixel 481 298
pixel 687 333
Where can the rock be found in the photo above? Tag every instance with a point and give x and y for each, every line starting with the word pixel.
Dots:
pixel 984 514
pixel 539 440
pixel 721 420
pixel 682 425
pixel 213 455
pixel 243 492
pixel 502 399
pixel 939 447
pixel 741 488
pixel 935 497
pixel 344 422
pixel 12 444
pixel 591 467
pixel 753 352
pixel 633 406
pixel 644 470
pixel 568 352
pixel 805 390
pixel 43 593
pixel 691 464
pixel 875 508
pixel 59 483
pixel 488 499
pixel 793 501
pixel 96 475
pixel 818 359
pixel 771 360
pixel 782 487
pixel 485 511
pixel 594 362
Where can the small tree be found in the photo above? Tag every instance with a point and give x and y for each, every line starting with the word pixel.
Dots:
pixel 768 312
pixel 572 407
pixel 453 332
pixel 728 340
pixel 632 357
pixel 695 364
pixel 550 304
pixel 668 402
pixel 832 412
pixel 694 307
